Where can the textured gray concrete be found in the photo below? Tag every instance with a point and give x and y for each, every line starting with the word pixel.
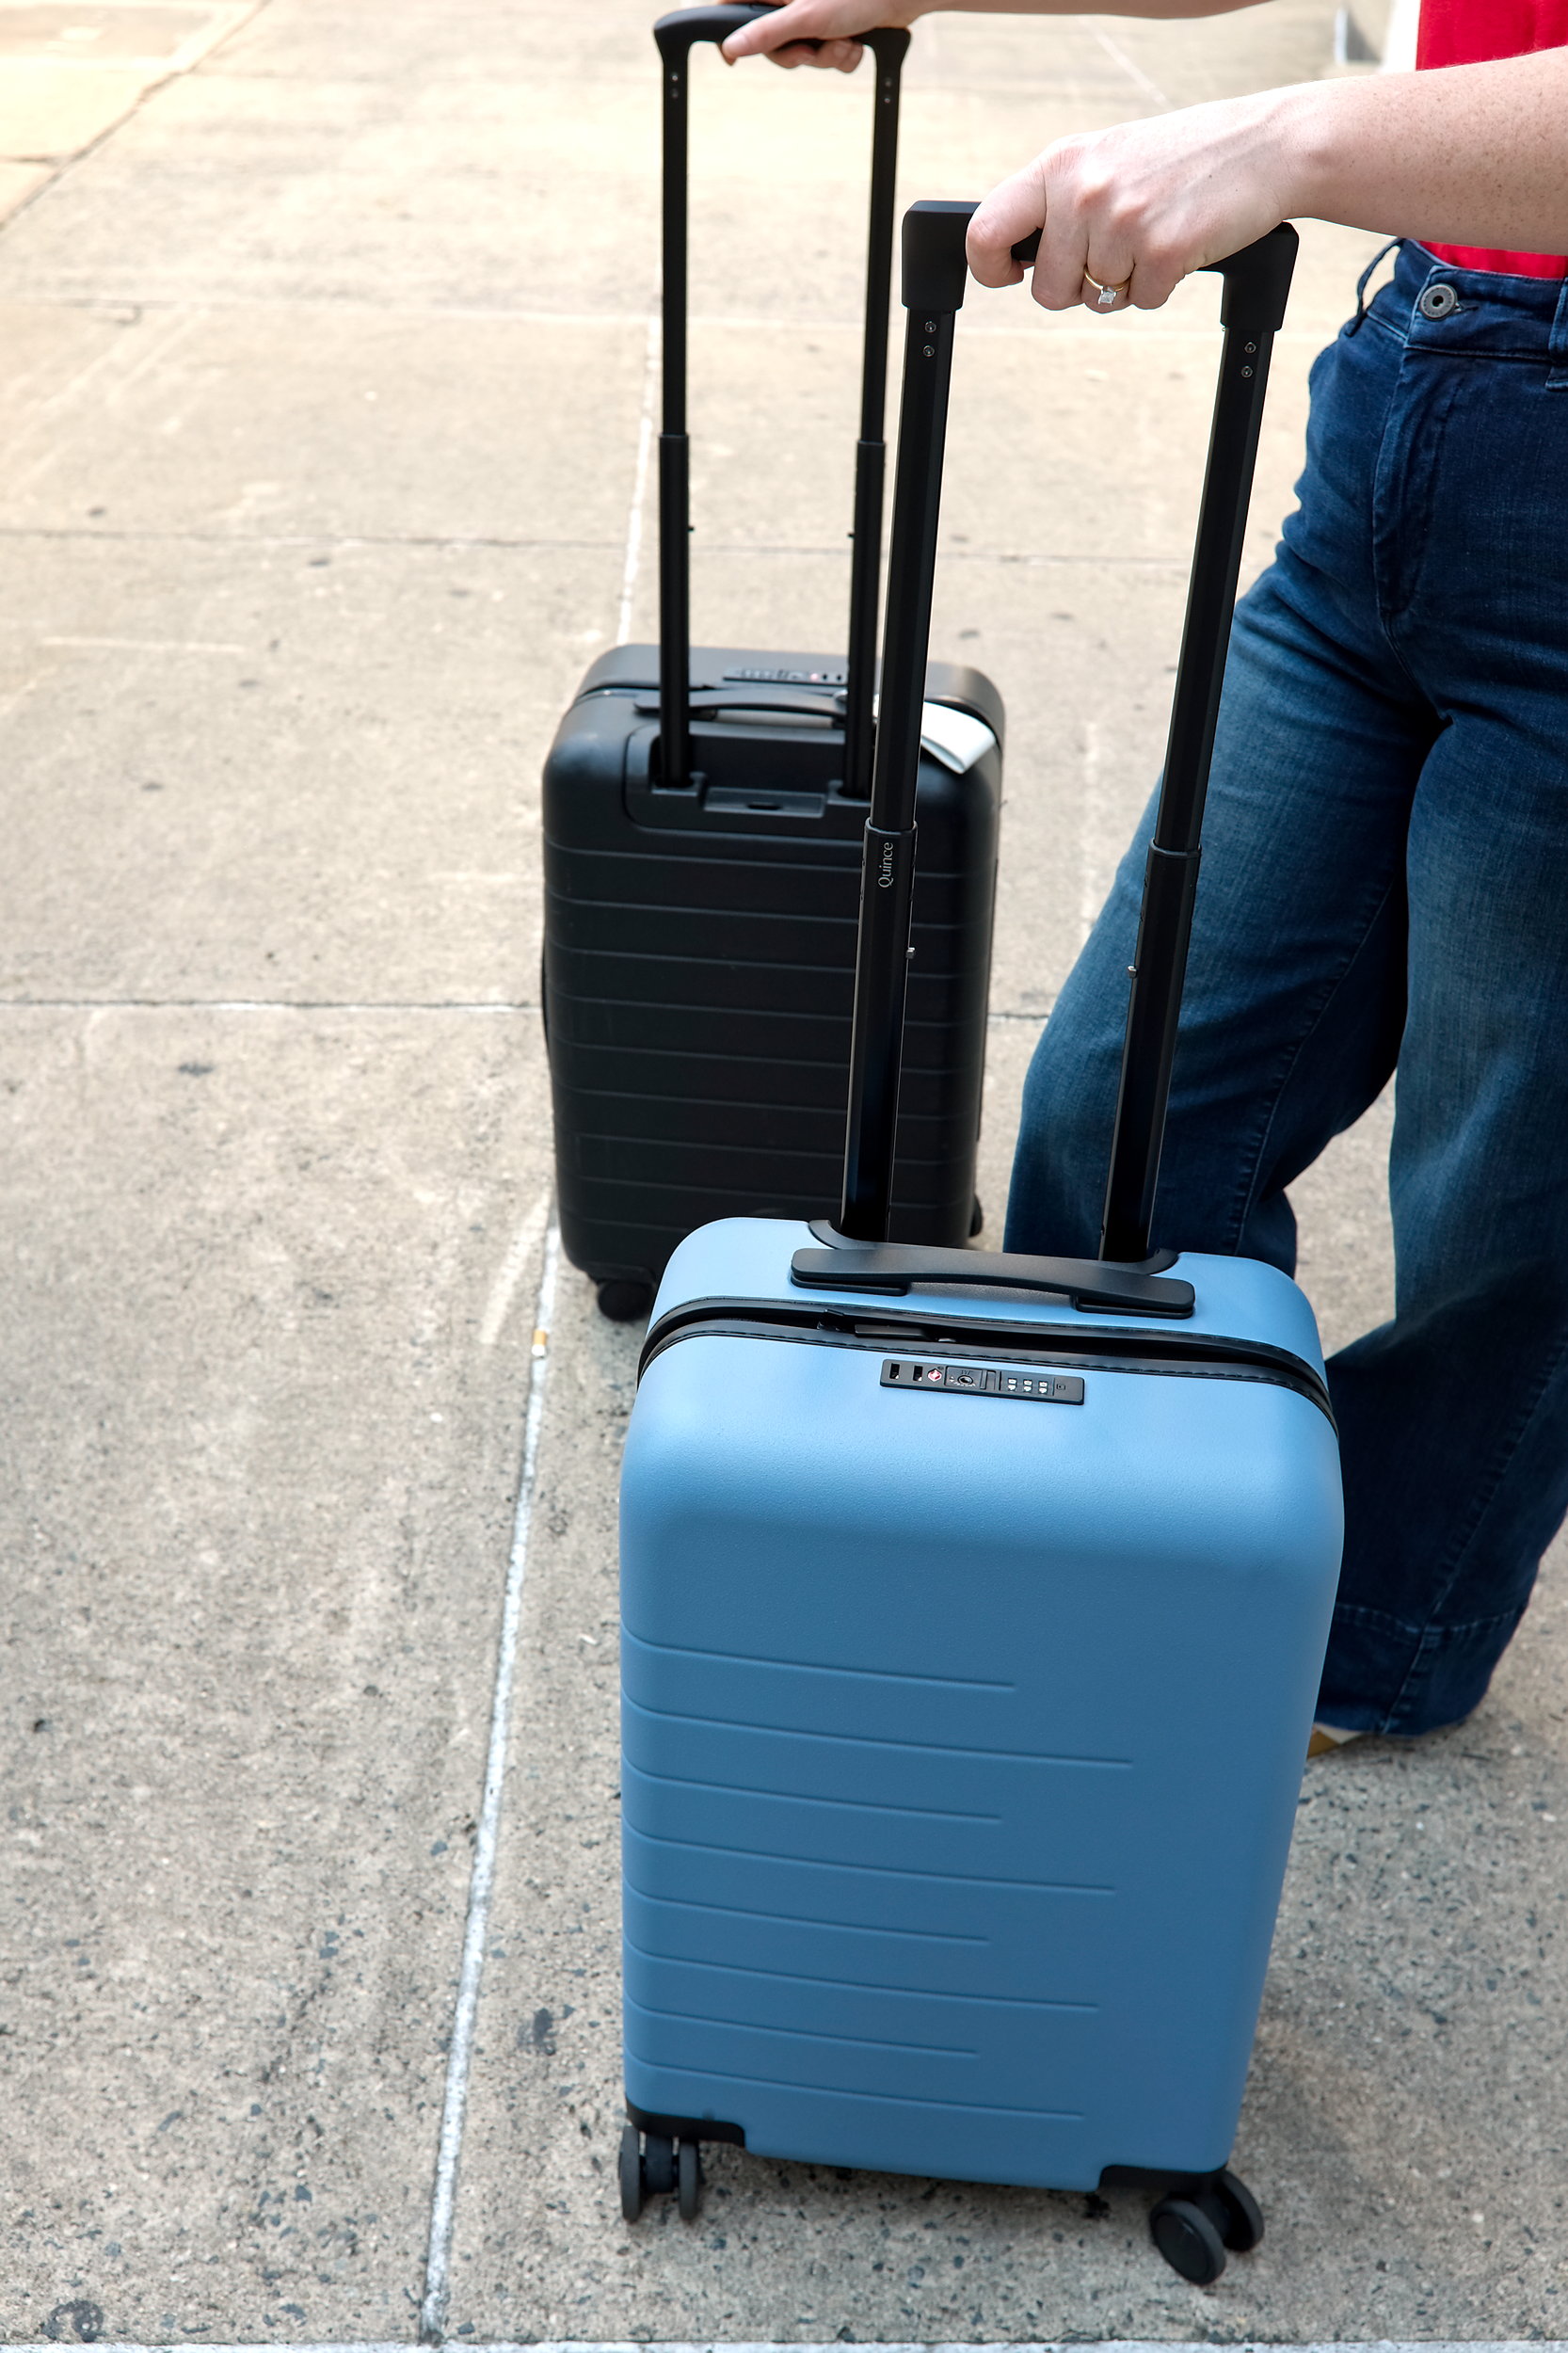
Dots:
pixel 292 594
pixel 636 2344
pixel 308 422
pixel 321 409
pixel 216 738
pixel 257 1477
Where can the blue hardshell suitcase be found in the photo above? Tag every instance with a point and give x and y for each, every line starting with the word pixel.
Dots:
pixel 973 1607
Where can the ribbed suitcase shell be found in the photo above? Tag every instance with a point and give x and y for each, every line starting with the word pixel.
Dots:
pixel 699 965
pixel 963 1736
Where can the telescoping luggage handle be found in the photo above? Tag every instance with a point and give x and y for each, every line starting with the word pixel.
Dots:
pixel 888 44
pixel 1257 281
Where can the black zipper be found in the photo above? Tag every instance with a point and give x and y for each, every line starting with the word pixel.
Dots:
pixel 1191 1356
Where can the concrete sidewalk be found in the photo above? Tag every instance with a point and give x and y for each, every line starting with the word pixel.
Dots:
pixel 326 374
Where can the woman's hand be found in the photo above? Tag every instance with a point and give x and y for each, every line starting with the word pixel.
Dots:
pixel 1136 208
pixel 788 34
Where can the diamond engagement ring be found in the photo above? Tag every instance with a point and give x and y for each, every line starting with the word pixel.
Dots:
pixel 1105 297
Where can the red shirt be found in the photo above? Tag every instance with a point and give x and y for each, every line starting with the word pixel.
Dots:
pixel 1468 32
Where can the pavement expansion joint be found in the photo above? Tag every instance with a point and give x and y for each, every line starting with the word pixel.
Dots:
pixel 438 2267
pixel 650 2344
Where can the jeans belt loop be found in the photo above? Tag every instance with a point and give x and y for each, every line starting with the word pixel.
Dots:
pixel 1557 342
pixel 1365 279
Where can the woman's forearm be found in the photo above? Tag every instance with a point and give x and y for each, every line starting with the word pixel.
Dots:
pixel 1154 8
pixel 1469 154
pixel 1472 155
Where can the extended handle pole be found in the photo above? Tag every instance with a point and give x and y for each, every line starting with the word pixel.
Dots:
pixel 889 49
pixel 675 34
pixel 932 292
pixel 675 571
pixel 1257 281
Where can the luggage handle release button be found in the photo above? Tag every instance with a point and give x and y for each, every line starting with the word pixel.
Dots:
pixel 892 1267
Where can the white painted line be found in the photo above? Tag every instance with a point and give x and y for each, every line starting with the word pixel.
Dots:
pixel 460 2053
pixel 1118 56
pixel 632 563
pixel 510 1273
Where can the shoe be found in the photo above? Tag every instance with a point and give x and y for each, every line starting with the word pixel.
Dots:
pixel 1327 1737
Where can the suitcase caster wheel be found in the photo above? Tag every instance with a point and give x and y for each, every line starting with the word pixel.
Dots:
pixel 1232 2205
pixel 977 1217
pixel 623 1302
pixel 630 2166
pixel 689 2181
pixel 1189 2240
pixel 657 2165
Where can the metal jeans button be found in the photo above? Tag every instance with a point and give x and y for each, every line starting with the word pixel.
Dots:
pixel 1437 301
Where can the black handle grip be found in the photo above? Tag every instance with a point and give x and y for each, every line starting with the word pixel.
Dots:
pixel 892 1267
pixel 677 33
pixel 1258 279
pixel 936 268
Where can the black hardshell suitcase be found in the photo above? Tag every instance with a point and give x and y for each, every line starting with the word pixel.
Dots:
pixel 702 856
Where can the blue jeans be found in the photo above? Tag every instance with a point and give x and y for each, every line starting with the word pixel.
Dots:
pixel 1386 880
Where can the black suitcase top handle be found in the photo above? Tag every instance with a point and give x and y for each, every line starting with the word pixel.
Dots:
pixel 892 1267
pixel 1257 281
pixel 676 36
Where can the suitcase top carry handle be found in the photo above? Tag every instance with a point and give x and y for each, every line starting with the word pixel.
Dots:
pixel 676 36
pixel 892 1267
pixel 716 699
